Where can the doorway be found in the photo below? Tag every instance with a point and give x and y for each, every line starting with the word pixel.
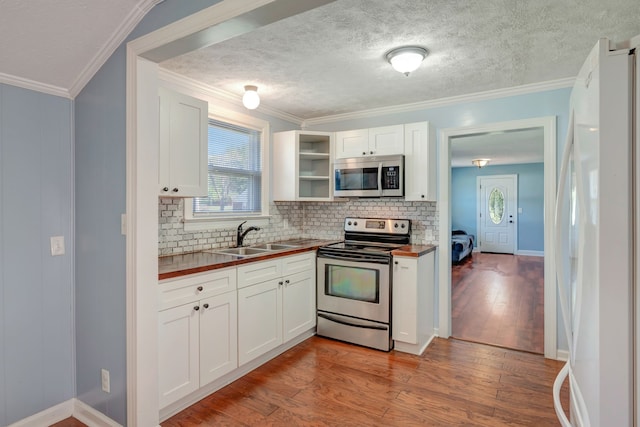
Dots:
pixel 548 128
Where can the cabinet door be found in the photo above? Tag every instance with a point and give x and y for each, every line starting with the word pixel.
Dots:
pixel 218 336
pixel 352 143
pixel 405 293
pixel 419 162
pixel 386 140
pixel 178 352
pixel 183 145
pixel 298 304
pixel 259 319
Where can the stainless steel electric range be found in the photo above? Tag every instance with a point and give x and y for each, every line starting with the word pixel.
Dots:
pixel 355 281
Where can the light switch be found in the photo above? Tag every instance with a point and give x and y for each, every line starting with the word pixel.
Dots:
pixel 57 245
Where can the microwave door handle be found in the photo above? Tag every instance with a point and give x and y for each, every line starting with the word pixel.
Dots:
pixel 380 178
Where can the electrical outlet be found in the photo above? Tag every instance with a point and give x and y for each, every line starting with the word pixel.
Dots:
pixel 57 245
pixel 106 382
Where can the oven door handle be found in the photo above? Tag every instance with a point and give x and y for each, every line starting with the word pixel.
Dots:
pixel 355 325
pixel 355 258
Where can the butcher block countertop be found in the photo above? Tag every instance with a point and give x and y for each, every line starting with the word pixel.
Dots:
pixel 197 262
pixel 414 250
pixel 171 266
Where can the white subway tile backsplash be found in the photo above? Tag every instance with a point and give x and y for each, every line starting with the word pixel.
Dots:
pixel 319 220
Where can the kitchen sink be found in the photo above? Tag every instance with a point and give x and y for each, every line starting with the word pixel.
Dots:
pixel 274 246
pixel 242 252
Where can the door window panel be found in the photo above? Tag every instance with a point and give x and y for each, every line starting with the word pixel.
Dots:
pixel 496 206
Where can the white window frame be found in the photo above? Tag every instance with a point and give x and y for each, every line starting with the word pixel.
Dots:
pixel 212 222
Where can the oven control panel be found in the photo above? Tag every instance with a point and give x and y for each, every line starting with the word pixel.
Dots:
pixel 378 225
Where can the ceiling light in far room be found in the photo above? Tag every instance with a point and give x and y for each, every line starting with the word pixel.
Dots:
pixel 480 162
pixel 251 99
pixel 407 58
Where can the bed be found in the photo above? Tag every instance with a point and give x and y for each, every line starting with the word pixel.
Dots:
pixel 461 245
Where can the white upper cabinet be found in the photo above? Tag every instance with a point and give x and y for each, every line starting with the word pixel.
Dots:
pixel 183 145
pixel 420 162
pixel 378 141
pixel 302 166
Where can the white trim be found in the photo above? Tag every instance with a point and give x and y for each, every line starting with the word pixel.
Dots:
pixel 182 83
pixel 417 106
pixel 90 416
pixel 104 53
pixel 33 85
pixel 47 417
pixel 562 355
pixel 479 231
pixel 444 179
pixel 529 253
pixel 70 408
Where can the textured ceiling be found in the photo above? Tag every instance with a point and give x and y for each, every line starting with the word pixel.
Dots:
pixel 502 148
pixel 330 60
pixel 53 42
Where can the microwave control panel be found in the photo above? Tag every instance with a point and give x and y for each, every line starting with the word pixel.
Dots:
pixel 390 178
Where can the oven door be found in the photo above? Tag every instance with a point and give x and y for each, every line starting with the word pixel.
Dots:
pixel 354 286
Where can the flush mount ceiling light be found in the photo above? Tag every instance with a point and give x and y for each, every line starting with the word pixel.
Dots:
pixel 480 162
pixel 407 58
pixel 251 99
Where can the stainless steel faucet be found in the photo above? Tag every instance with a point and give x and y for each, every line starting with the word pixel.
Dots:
pixel 241 234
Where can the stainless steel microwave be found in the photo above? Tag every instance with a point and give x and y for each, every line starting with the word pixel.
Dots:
pixel 373 176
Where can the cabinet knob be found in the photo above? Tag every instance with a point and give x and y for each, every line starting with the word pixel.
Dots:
pixel 370 152
pixel 205 306
pixel 422 195
pixel 175 190
pixel 165 189
pixel 196 308
pixel 395 262
pixel 286 282
pixel 200 288
pixel 364 153
pixel 280 283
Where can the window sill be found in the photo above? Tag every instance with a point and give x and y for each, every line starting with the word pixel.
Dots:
pixel 230 222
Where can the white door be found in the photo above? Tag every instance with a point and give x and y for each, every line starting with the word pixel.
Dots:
pixel 497 209
pixel 218 336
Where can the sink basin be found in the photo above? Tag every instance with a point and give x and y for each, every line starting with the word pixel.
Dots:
pixel 242 252
pixel 274 246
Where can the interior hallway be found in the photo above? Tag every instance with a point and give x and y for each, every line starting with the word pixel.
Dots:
pixel 498 299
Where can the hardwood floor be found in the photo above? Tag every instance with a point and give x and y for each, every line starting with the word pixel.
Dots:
pixel 499 299
pixel 322 382
pixel 69 422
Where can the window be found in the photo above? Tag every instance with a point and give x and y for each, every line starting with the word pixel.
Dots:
pixel 235 171
pixel 236 176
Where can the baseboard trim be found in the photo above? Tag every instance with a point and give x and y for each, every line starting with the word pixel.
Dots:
pixel 530 253
pixel 70 408
pixel 562 355
pixel 90 416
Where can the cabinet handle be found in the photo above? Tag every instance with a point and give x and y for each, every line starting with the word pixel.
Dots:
pixel 205 306
pixel 364 153
pixel 196 308
pixel 279 283
pixel 286 282
pixel 395 262
pixel 370 152
pixel 175 190
pixel 422 196
pixel 200 288
pixel 165 189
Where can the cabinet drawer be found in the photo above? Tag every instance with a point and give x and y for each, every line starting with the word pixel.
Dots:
pixel 297 263
pixel 182 290
pixel 256 272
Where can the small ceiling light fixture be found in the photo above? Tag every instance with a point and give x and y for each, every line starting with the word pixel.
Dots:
pixel 407 58
pixel 251 99
pixel 480 162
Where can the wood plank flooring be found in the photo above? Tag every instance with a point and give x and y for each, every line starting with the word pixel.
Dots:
pixel 322 382
pixel 498 299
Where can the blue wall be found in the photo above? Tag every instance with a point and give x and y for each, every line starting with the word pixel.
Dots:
pixel 530 222
pixel 36 202
pixel 100 200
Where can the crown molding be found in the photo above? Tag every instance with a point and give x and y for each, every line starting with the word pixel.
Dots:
pixel 423 105
pixel 104 53
pixel 223 95
pixel 34 85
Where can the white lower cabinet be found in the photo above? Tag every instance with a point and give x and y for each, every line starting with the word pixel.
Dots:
pixel 273 311
pixel 197 341
pixel 413 302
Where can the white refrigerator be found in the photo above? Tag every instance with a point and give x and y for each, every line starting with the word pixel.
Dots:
pixel 597 222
